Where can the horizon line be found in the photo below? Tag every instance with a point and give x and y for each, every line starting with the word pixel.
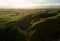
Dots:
pixel 35 6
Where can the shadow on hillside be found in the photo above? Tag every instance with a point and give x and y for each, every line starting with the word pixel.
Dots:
pixel 48 30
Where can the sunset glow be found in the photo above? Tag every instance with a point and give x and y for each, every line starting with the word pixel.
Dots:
pixel 25 3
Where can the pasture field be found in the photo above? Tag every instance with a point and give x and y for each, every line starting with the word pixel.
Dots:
pixel 29 25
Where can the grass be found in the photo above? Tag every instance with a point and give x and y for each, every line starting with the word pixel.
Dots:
pixel 29 25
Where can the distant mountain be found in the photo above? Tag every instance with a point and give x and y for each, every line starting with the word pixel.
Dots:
pixel 47 7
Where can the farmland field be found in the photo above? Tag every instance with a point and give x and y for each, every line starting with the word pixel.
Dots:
pixel 29 25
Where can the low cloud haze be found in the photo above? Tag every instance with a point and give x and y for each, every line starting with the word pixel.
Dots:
pixel 27 3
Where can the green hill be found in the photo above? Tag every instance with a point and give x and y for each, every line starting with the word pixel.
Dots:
pixel 30 25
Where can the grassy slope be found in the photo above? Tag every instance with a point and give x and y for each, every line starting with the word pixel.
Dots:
pixel 21 26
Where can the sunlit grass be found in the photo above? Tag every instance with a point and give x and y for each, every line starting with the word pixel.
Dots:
pixel 8 19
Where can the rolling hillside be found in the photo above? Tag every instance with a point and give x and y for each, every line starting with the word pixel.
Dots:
pixel 30 25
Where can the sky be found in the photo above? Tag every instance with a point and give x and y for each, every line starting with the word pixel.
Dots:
pixel 26 3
